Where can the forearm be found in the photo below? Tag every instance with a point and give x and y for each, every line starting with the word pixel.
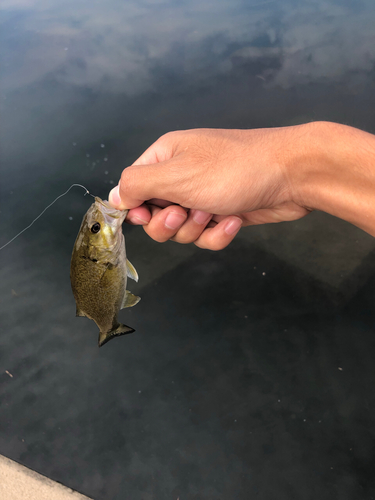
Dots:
pixel 334 171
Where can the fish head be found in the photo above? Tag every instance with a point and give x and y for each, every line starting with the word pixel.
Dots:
pixel 103 229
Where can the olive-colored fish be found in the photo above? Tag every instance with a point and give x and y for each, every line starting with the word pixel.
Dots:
pixel 99 270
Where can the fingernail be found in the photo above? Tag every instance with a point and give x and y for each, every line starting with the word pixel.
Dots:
pixel 201 217
pixel 138 220
pixel 174 220
pixel 114 196
pixel 233 226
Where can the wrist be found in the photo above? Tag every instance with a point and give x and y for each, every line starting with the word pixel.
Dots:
pixel 333 170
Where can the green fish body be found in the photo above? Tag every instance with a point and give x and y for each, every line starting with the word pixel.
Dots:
pixel 99 270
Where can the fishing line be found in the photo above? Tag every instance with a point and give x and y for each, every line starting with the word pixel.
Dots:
pixel 50 205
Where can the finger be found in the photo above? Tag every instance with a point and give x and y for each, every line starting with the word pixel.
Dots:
pixel 142 215
pixel 140 183
pixel 218 237
pixel 124 195
pixel 165 222
pixel 139 215
pixel 193 227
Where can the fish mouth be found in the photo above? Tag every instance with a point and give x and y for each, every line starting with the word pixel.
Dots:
pixel 110 213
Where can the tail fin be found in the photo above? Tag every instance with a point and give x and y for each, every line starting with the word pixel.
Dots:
pixel 116 331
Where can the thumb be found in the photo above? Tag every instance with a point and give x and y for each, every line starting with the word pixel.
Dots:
pixel 150 176
pixel 140 183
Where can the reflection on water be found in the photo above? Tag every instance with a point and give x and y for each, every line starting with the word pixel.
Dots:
pixel 125 47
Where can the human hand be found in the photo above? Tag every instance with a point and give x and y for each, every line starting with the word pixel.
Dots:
pixel 202 185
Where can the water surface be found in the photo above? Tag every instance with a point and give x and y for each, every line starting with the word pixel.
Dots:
pixel 251 370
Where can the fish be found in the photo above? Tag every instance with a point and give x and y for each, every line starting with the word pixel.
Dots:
pixel 99 270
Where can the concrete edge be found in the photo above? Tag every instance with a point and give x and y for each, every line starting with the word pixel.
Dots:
pixel 17 482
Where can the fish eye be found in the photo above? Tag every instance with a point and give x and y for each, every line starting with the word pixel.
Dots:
pixel 95 228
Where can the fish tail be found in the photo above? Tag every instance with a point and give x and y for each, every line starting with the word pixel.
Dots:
pixel 116 331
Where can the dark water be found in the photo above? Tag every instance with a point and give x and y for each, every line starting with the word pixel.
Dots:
pixel 251 371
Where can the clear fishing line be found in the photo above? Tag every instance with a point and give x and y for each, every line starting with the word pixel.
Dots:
pixel 50 205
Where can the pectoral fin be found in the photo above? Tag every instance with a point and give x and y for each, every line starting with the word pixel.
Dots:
pixel 131 271
pixel 116 331
pixel 130 300
pixel 80 313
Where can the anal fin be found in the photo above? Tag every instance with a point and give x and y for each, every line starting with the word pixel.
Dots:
pixel 130 300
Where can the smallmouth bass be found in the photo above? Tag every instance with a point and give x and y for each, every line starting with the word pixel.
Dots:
pixel 99 270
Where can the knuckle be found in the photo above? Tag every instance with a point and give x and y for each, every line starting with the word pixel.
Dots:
pixel 183 239
pixel 216 246
pixel 127 180
pixel 156 236
pixel 214 243
pixel 169 138
pixel 199 245
pixel 160 239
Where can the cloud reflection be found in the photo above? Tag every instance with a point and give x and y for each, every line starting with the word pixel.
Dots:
pixel 125 46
